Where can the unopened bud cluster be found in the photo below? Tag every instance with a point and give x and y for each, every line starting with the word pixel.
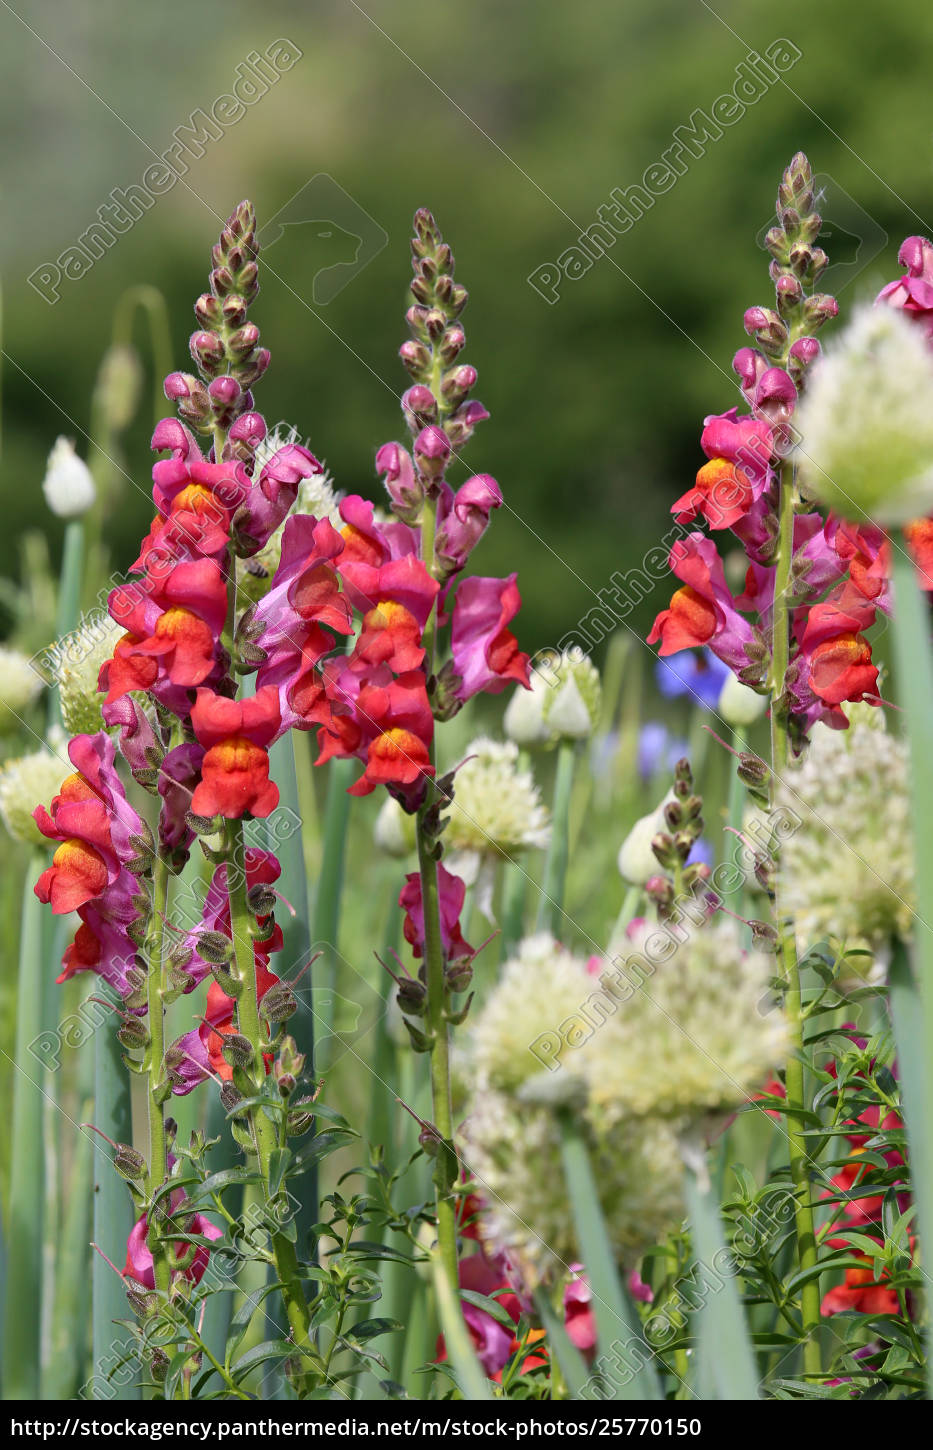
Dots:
pixel 225 347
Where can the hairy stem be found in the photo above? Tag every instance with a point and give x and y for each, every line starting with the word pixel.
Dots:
pixel 265 1132
pixel 435 1011
pixel 794 1078
pixel 155 984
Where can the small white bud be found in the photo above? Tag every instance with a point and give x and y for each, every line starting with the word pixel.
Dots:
pixel 68 486
pixel 739 704
pixel 636 861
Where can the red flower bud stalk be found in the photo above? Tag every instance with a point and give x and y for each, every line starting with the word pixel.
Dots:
pixel 426 246
pixel 484 657
pixel 228 352
pixel 796 265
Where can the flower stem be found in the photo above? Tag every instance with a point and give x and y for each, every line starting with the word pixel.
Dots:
pixel 551 901
pixel 435 1009
pixel 158 1156
pixel 794 1078
pixel 265 1132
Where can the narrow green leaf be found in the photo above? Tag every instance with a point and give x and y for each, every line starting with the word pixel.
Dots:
pixel 722 1319
pixel 24 1228
pixel 629 1370
pixel 470 1376
pixel 572 1364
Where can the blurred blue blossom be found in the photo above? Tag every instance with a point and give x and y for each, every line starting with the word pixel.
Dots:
pixel 695 673
pixel 658 749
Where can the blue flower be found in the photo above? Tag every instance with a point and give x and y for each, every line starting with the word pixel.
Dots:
pixel 657 748
pixel 697 673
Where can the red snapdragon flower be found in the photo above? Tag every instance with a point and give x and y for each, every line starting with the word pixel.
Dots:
pixel 235 770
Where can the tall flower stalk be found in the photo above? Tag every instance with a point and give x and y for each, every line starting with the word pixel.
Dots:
pixel 796 632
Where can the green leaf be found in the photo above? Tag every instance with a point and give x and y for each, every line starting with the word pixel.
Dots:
pixel 261 1354
pixel 489 1306
pixel 731 1363
pixel 572 1364
pixel 371 1328
pixel 616 1319
pixel 279 1163
pixel 469 1373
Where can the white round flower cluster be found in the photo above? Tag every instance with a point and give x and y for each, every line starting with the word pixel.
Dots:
pixel 643 1049
pixel 20 686
pixel 867 421
pixel 30 781
pixel 497 807
pixel 846 873
pixel 75 663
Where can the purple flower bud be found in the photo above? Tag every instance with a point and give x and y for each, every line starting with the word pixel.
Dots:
pixel 421 404
pixel 458 381
pixel 405 491
pixel 749 364
pixel 805 350
pixel 249 428
pixel 207 310
pixel 225 390
pixel 789 292
pixel 432 443
pixel 414 355
pixel 177 385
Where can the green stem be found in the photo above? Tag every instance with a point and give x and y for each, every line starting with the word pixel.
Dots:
pixel 325 924
pixel 264 1130
pixel 551 900
pixel 69 597
pixel 23 1290
pixel 436 1004
pixel 794 1119
pixel 158 1155
pixel 914 664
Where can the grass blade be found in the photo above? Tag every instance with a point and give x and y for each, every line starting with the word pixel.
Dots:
pixel 623 1354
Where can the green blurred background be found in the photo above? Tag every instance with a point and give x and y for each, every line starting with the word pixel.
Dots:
pixel 507 120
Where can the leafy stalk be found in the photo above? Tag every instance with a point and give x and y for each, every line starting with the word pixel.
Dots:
pixel 794 1078
pixel 27 1193
pixel 551 901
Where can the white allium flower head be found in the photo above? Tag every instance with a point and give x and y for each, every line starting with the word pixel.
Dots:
pixel 514 1152
pixel 695 1030
pixel 497 807
pixel 538 988
pixel 68 486
pixel 75 663
pixel 512 1135
pixel 866 421
pixel 19 686
pixel 847 872
pixel 30 781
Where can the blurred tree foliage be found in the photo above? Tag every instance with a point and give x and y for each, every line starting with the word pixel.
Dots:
pixel 514 123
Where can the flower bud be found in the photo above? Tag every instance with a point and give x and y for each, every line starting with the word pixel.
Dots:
pixel 68 486
pixel 237 1050
pixel 394 830
pixel 738 705
pixel 637 861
